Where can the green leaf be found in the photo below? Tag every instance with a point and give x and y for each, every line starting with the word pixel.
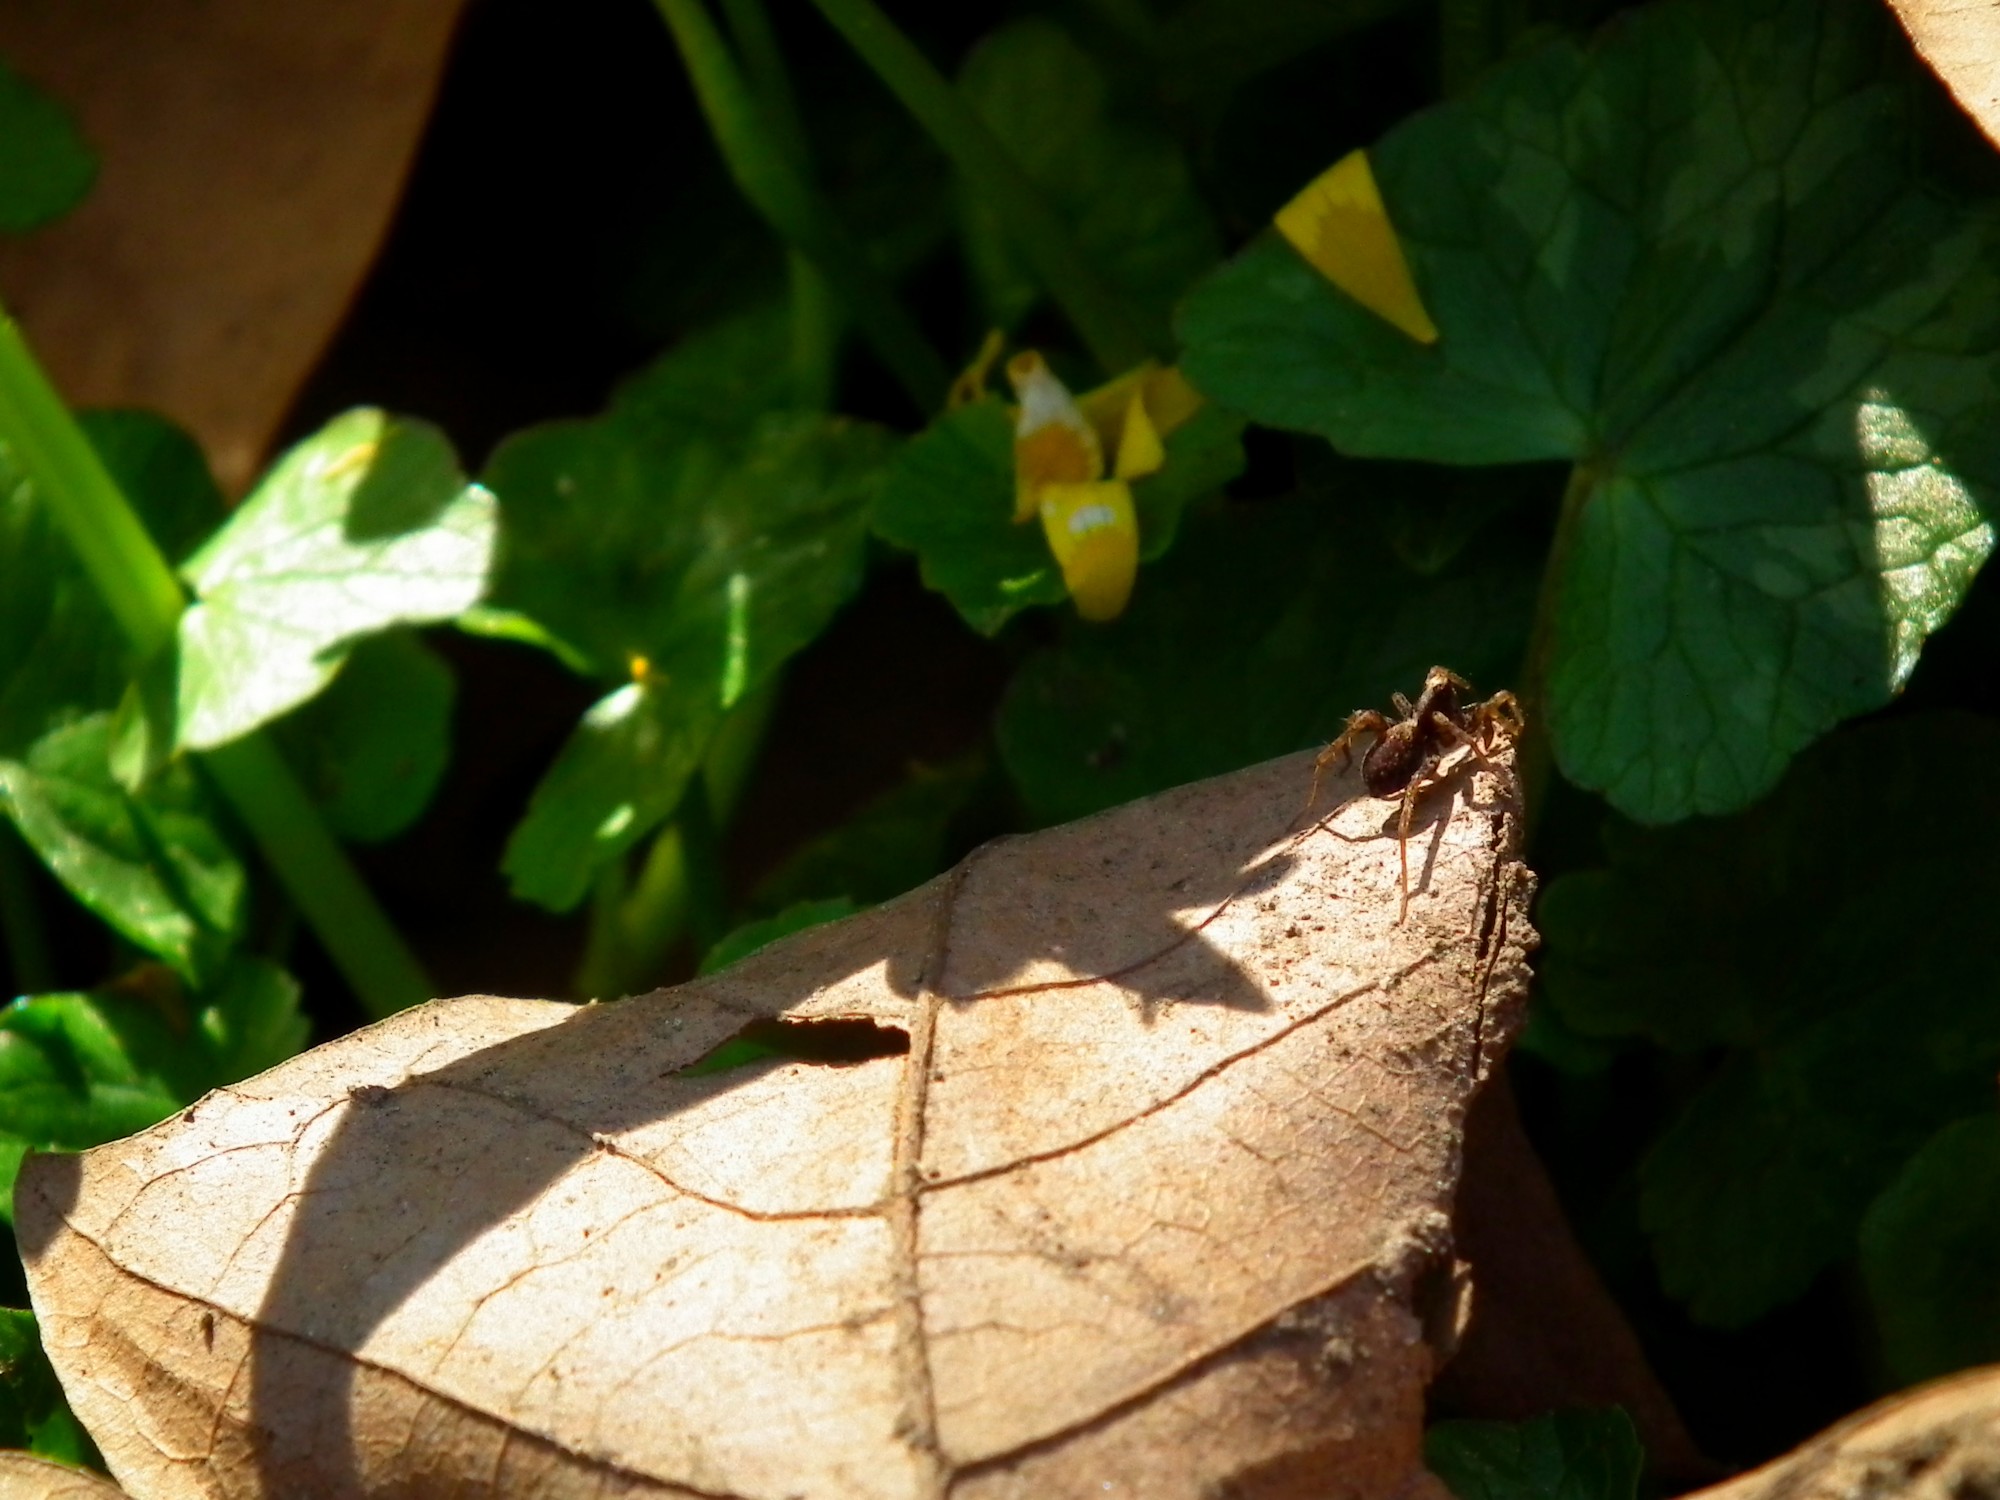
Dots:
pixel 372 748
pixel 695 555
pixel 1929 1245
pixel 249 1021
pixel 1124 188
pixel 1695 260
pixel 33 1413
pixel 1820 941
pixel 745 940
pixel 364 525
pixel 45 168
pixel 80 1069
pixel 619 776
pixel 1258 636
pixel 893 844
pixel 949 498
pixel 60 652
pixel 154 866
pixel 1569 1455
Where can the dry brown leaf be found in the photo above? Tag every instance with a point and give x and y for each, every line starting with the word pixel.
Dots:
pixel 25 1477
pixel 251 156
pixel 1937 1442
pixel 1960 39
pixel 1154 1200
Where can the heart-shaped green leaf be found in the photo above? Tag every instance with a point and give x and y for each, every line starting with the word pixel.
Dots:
pixel 1818 944
pixel 1694 259
pixel 694 556
pixel 366 524
pixel 155 866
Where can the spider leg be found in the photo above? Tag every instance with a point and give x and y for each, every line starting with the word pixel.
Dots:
pixel 1360 722
pixel 1501 714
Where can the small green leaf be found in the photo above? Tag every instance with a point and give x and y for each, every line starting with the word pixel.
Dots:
pixel 372 748
pixel 1693 259
pixel 695 557
pixel 745 940
pixel 45 168
pixel 154 866
pixel 1258 636
pixel 249 1021
pixel 893 844
pixel 60 652
pixel 949 498
pixel 364 525
pixel 80 1069
pixel 33 1413
pixel 621 774
pixel 1819 940
pixel 1124 188
pixel 1569 1455
pixel 1929 1247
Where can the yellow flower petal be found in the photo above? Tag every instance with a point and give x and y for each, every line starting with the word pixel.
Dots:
pixel 1053 444
pixel 1170 401
pixel 1339 224
pixel 1094 533
pixel 1140 451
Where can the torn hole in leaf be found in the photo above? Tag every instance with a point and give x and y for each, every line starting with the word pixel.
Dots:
pixel 851 1040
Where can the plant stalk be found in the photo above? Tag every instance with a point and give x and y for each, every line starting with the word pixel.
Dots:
pixel 753 149
pixel 317 875
pixel 1099 315
pixel 138 587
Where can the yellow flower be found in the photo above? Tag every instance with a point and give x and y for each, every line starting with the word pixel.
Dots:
pixel 1340 225
pixel 1059 470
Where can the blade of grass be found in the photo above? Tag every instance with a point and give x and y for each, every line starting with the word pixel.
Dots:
pixel 775 186
pixel 139 588
pixel 815 308
pixel 1097 312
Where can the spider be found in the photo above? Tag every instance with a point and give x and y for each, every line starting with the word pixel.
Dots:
pixel 1403 761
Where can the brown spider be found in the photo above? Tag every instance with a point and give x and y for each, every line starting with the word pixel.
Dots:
pixel 1403 761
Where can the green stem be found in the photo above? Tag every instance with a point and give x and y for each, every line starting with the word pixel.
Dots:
pixel 131 577
pixel 1098 313
pixel 1537 761
pixel 765 173
pixel 29 966
pixel 317 875
pixel 139 588
pixel 815 309
pixel 750 28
